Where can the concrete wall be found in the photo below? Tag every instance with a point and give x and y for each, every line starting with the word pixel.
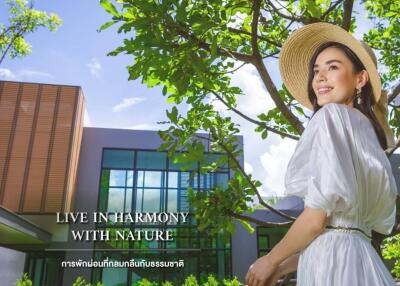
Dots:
pixel 12 265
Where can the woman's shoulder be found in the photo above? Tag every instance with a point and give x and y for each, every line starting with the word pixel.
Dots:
pixel 338 115
pixel 333 109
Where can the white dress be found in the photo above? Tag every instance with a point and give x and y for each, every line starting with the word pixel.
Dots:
pixel 338 166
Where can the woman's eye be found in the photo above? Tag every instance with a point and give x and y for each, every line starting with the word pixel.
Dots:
pixel 315 71
pixel 333 67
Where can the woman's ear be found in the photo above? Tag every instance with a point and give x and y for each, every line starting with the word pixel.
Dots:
pixel 362 78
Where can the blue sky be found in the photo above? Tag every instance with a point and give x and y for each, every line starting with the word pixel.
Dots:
pixel 76 55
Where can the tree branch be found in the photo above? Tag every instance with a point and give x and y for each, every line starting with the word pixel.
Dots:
pixel 259 64
pixel 239 31
pixel 257 221
pixel 262 202
pixel 331 8
pixel 348 9
pixel 300 19
pixel 254 27
pixel 222 52
pixel 395 92
pixel 259 123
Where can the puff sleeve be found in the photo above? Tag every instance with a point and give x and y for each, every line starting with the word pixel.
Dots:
pixel 321 170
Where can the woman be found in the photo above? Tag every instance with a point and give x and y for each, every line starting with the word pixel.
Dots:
pixel 339 165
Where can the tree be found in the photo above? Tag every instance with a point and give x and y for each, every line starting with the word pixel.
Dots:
pixel 23 20
pixel 191 47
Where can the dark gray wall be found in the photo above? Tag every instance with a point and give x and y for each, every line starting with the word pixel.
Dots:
pixel 12 266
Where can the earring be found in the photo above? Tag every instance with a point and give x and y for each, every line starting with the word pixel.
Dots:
pixel 358 96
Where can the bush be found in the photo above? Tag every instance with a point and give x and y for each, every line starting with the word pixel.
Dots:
pixel 191 280
pixel 24 281
pixel 391 250
pixel 80 281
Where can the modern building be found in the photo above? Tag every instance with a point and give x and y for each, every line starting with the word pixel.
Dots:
pixel 50 163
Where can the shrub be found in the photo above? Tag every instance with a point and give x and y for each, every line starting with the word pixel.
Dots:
pixel 191 280
pixel 24 281
pixel 391 250
pixel 211 281
pixel 80 281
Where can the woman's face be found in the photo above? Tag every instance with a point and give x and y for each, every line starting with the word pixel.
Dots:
pixel 334 79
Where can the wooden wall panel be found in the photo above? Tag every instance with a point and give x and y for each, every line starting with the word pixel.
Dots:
pixel 75 151
pixel 34 186
pixel 59 157
pixel 8 99
pixel 40 136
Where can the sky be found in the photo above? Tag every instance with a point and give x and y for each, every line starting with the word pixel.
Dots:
pixel 77 55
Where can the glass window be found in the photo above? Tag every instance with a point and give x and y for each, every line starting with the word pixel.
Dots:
pixel 151 160
pixel 114 276
pixel 116 198
pixel 179 166
pixel 173 178
pixel 148 200
pixel 117 178
pixel 268 237
pixel 211 158
pixel 118 159
pixel 172 202
pixel 150 179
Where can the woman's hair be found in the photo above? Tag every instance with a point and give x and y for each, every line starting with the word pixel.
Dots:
pixel 367 96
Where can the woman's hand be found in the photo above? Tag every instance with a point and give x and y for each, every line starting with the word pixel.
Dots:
pixel 261 271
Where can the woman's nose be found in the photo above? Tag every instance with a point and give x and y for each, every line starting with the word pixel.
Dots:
pixel 321 76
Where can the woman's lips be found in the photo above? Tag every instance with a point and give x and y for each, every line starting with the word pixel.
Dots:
pixel 324 90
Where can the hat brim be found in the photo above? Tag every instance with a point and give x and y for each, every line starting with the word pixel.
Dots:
pixel 298 49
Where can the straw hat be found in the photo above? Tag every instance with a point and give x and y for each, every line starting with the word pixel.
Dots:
pixel 296 54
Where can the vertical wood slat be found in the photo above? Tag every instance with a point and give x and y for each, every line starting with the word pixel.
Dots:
pixel 59 158
pixel 41 142
pixel 74 154
pixel 49 154
pixel 40 136
pixel 31 141
pixel 10 141
pixel 69 163
pixel 20 147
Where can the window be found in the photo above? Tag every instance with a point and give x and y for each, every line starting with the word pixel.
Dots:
pixel 268 237
pixel 147 181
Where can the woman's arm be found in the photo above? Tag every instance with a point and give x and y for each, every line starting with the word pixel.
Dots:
pixel 305 229
pixel 289 265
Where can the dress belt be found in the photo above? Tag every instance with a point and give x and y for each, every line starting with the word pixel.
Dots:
pixel 349 228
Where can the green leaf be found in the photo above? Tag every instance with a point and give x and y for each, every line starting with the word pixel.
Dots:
pixel 109 7
pixel 106 25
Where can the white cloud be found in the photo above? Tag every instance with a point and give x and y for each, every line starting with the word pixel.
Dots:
pixel 26 74
pixel 248 168
pixel 127 102
pixel 94 67
pixel 7 74
pixel 275 162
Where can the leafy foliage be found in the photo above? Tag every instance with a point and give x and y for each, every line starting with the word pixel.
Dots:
pixel 190 49
pixel 80 281
pixel 24 281
pixel 391 250
pixel 23 20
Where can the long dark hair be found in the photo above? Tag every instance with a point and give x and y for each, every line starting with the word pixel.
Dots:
pixel 367 96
